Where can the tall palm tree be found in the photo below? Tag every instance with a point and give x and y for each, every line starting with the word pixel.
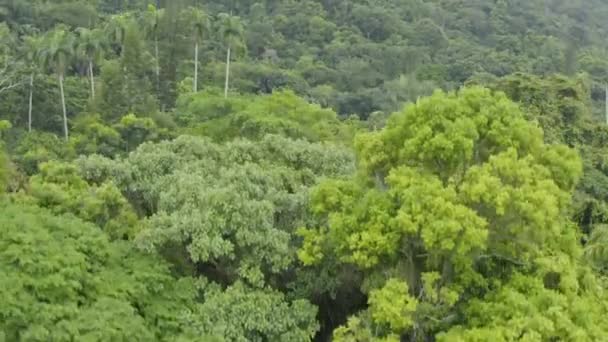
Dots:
pixel 116 29
pixel 57 54
pixel 90 46
pixel 201 26
pixel 231 31
pixel 33 46
pixel 152 19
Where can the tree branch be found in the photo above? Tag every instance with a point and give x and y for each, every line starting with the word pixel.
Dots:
pixel 502 257
pixel 10 86
pixel 7 78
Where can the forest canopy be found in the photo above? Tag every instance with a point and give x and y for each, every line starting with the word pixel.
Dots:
pixel 310 170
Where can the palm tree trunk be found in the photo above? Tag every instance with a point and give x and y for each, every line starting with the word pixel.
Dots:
pixel 606 103
pixel 65 114
pixel 29 111
pixel 195 87
pixel 157 64
pixel 92 76
pixel 227 73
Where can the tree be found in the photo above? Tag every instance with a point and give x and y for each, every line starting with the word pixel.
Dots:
pixel 33 48
pixel 253 117
pixel 4 161
pixel 91 135
pixel 8 77
pixel 116 31
pixel 231 31
pixel 251 207
pixel 125 82
pixel 3 171
pixel 562 107
pixel 61 279
pixel 9 66
pixel 135 131
pixel 57 54
pixel 152 19
pixel 59 188
pixel 236 221
pixel 35 149
pixel 200 24
pixel 456 201
pixel 90 46
pixel 243 314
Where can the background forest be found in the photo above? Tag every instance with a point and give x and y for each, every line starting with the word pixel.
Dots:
pixel 303 170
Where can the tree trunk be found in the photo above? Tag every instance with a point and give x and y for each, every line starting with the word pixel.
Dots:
pixel 195 86
pixel 227 73
pixel 606 104
pixel 157 65
pixel 92 76
pixel 29 111
pixel 65 114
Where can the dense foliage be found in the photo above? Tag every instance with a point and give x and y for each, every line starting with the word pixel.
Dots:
pixel 303 170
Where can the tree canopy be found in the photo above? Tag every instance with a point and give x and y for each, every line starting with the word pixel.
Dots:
pixel 303 170
pixel 456 205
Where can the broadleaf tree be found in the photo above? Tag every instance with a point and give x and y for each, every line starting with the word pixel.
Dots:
pixel 457 200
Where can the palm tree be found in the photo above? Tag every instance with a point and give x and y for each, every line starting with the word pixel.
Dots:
pixel 116 30
pixel 90 46
pixel 57 54
pixel 200 25
pixel 152 20
pixel 231 31
pixel 33 46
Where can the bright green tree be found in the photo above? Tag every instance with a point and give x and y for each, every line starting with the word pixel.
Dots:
pixel 454 198
pixel 59 187
pixel 253 117
pixel 563 108
pixel 91 135
pixel 136 130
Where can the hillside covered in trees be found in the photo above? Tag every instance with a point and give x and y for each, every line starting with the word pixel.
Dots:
pixel 303 170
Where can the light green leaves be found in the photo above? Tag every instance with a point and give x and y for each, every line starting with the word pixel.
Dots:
pixel 526 310
pixel 435 214
pixel 455 194
pixel 4 126
pixel 523 204
pixel 253 117
pixel 60 188
pixel 446 133
pixel 392 305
